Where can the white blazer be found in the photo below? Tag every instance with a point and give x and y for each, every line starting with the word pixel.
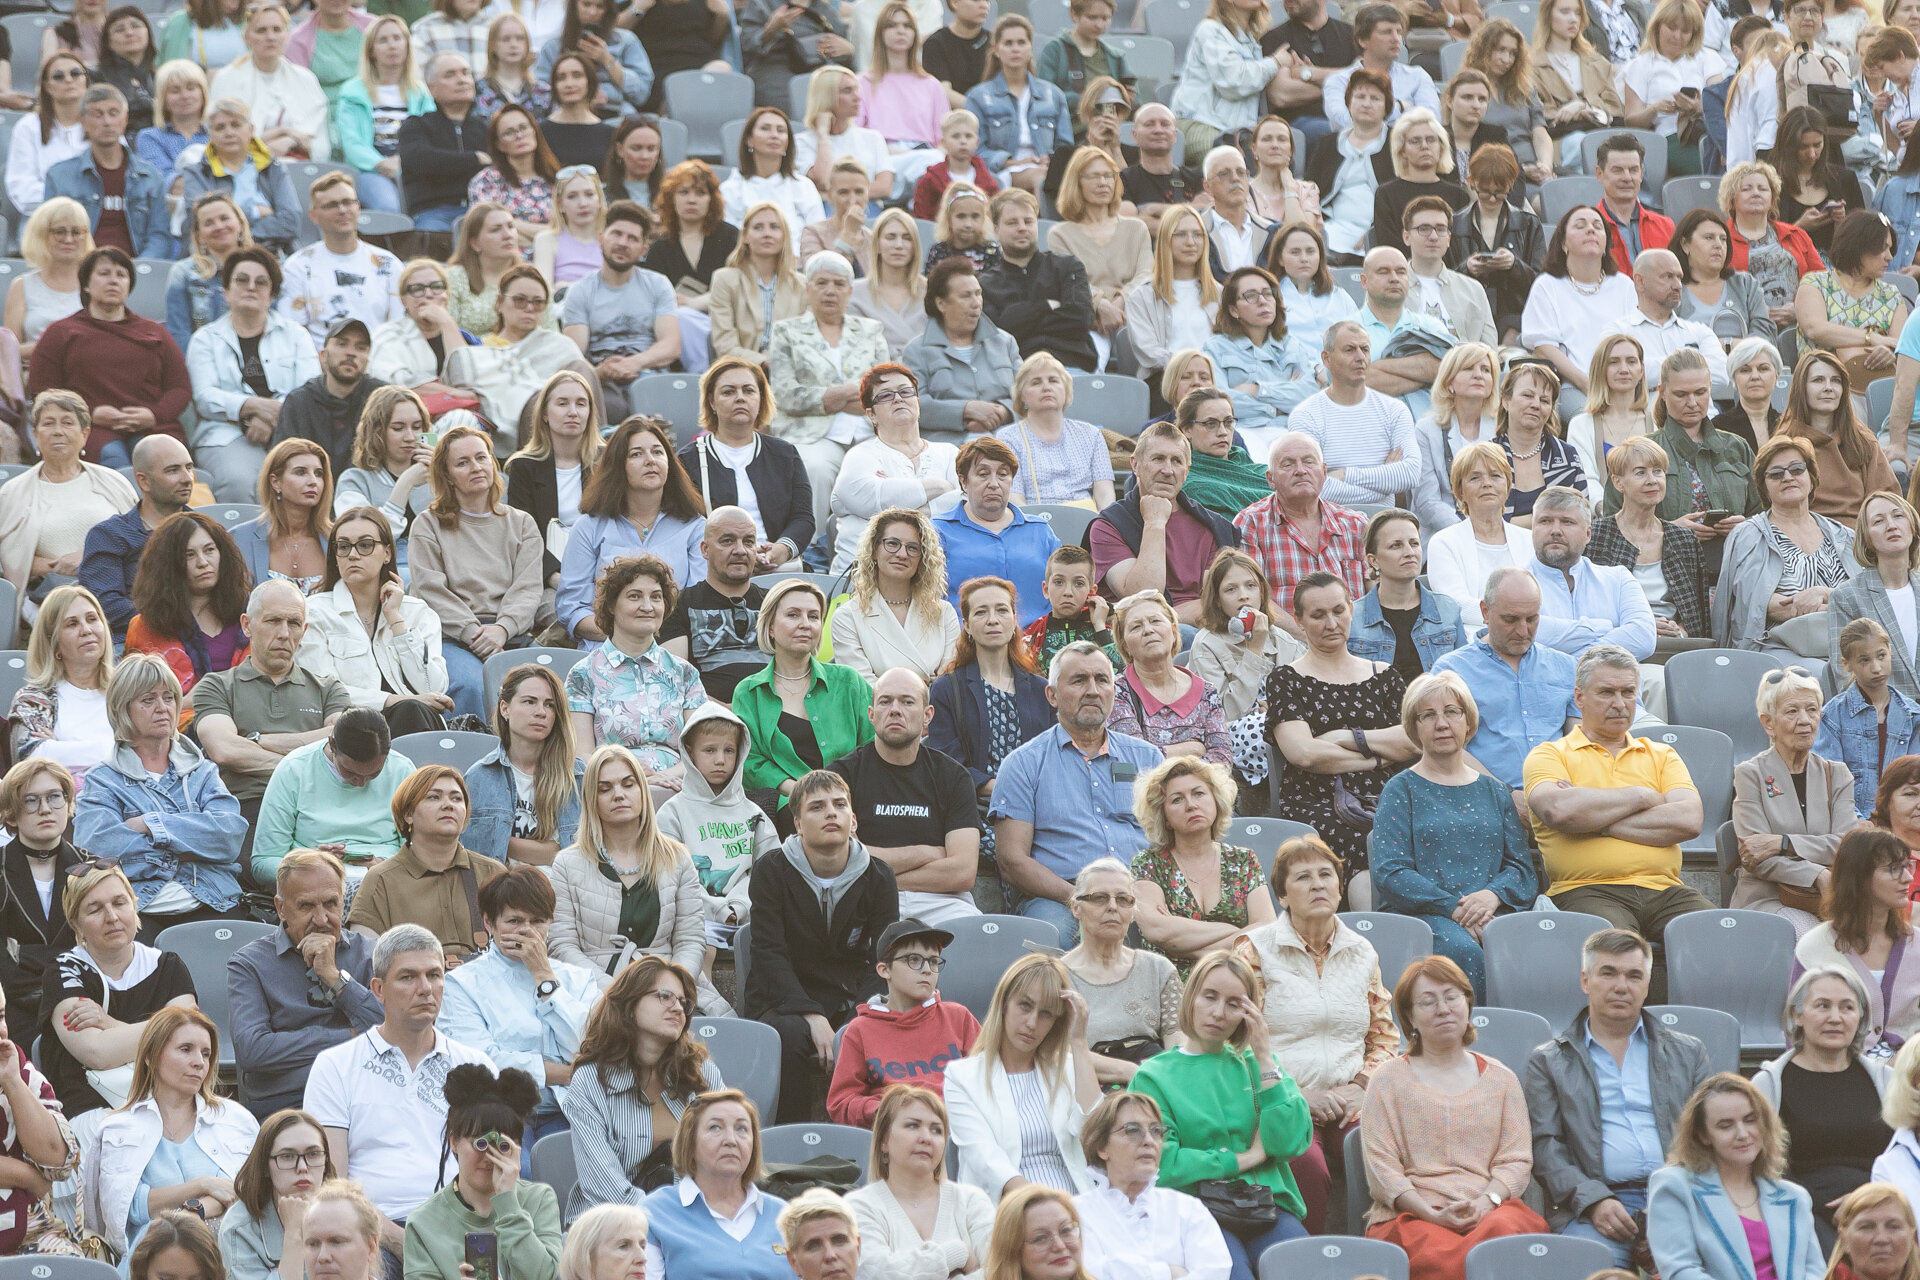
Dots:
pixel 337 645
pixel 120 1148
pixel 985 1125
pixel 1453 566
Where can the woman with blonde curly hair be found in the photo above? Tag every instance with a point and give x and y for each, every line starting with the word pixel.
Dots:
pixel 1196 892
pixel 898 615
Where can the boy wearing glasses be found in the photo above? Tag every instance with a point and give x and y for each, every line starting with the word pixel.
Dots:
pixel 909 1035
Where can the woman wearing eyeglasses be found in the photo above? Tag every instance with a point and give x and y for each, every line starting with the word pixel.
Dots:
pixel 1785 561
pixel 521 352
pixel 896 468
pixel 898 615
pixel 404 352
pixel 637 1068
pixel 1252 347
pixel 1132 994
pixel 1866 924
pixel 36 797
pixel 262 1232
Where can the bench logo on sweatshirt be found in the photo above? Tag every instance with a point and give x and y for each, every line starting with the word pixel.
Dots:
pixel 880 1071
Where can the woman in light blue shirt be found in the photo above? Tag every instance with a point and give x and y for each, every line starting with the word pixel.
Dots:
pixel 619 61
pixel 639 498
pixel 1309 298
pixel 1267 370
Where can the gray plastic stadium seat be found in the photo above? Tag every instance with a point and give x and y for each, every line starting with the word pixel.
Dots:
pixel 1715 1028
pixel 494 670
pixel 1049 18
pixel 204 946
pixel 1150 59
pixel 1112 401
pixel 9 615
pixel 53 1266
pixel 13 672
pixel 1521 13
pixel 704 101
pixel 1726 856
pixel 1681 196
pixel 552 1159
pixel 1537 1258
pixel 460 749
pixel 797 1143
pixel 1714 688
pixel 26 31
pixel 1709 757
pixel 1264 836
pixel 1334 1258
pixel 1174 20
pixel 831 583
pixel 1739 961
pixel 1509 1036
pixel 673 396
pixel 1359 1195
pixel 673 143
pixel 1909 287
pixel 1398 940
pixel 1348 278
pixel 1069 523
pixel 742 953
pixel 1533 962
pixel 748 1056
pixel 1452 54
pixel 231 515
pixel 983 948
pixel 149 297
pixel 1557 195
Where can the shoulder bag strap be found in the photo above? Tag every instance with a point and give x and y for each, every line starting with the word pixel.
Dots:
pixel 1887 977
pixel 1033 458
pixel 471 882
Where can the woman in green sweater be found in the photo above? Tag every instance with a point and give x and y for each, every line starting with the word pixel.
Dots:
pixel 487 1195
pixel 1230 1110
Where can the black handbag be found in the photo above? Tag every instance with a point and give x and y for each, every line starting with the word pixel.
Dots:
pixel 1135 1049
pixel 1241 1208
pixel 655 1169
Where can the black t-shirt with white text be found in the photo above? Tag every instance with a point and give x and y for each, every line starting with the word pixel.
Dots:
pixel 920 803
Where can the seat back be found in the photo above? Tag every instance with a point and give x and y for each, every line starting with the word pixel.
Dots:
pixel 53 1266
pixel 1533 961
pixel 1264 836
pixel 1174 21
pixel 1452 54
pixel 1049 18
pixel 1715 1028
pixel 1398 940
pixel 1709 756
pixel 983 948
pixel 748 1056
pixel 1557 195
pixel 456 747
pixel 231 515
pixel 831 583
pixel 26 30
pixel 1334 1258
pixel 706 100
pixel 552 1159
pixel 13 672
pixel 1879 403
pixel 1359 1194
pixel 149 297
pixel 742 953
pixel 1537 1258
pixel 1069 523
pixel 1150 59
pixel 205 946
pixel 1509 1036
pixel 494 670
pixel 1681 196
pixel 1714 688
pixel 798 1143
pixel 1519 12
pixel 673 143
pixel 1726 856
pixel 1739 961
pixel 673 396
pixel 1348 278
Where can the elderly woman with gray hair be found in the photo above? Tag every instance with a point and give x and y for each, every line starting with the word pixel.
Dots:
pixel 1154 699
pixel 1129 1226
pixel 158 807
pixel 607 1240
pixel 1133 995
pixel 259 182
pixel 1790 807
pixel 1827 1092
pixel 1786 560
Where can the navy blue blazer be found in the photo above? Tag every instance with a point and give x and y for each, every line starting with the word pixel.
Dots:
pixel 960 715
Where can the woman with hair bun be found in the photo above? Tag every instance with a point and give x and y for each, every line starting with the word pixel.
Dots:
pixel 486 1114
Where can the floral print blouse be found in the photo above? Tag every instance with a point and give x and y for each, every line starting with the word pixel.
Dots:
pixel 1241 876
pixel 641 703
pixel 528 201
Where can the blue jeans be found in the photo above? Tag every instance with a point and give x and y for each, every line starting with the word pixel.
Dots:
pixel 440 218
pixel 1580 1228
pixel 1246 1253
pixel 115 453
pixel 1054 913
pixel 466 679
pixel 544 1123
pixel 377 191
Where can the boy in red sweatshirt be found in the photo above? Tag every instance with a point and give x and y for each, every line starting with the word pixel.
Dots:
pixel 908 1036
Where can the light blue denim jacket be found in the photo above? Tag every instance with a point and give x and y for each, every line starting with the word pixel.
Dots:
pixel 490 799
pixel 1850 733
pixel 1048 121
pixel 1436 631
pixel 1284 371
pixel 215 368
pixel 194 820
pixel 636 82
pixel 1899 199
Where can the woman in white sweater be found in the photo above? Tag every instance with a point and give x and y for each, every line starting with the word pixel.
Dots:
pixel 1130 1228
pixel 1461 556
pixel 907 1182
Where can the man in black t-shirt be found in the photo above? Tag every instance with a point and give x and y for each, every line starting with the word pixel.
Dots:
pixel 1154 181
pixel 714 624
pixel 956 54
pixel 1316 39
pixel 914 807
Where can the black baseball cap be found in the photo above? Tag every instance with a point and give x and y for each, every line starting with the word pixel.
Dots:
pixel 908 929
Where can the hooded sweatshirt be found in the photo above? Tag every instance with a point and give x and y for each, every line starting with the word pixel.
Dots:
pixel 723 830
pixel 813 939
pixel 883 1048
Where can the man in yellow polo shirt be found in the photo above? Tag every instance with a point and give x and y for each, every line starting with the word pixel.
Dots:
pixel 1610 810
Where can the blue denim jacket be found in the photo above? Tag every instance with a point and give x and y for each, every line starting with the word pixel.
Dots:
pixel 1850 733
pixel 194 820
pixel 1437 630
pixel 145 205
pixel 490 800
pixel 1048 121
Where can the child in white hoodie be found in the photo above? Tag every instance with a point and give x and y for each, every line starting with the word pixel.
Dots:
pixel 722 829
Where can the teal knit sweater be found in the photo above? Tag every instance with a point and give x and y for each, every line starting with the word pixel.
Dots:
pixel 1208 1103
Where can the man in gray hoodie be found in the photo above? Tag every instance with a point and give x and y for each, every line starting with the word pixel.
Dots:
pixel 819 908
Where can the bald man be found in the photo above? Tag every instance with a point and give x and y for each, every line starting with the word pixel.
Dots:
pixel 915 807
pixel 163 472
pixel 1154 181
pixel 713 625
pixel 1655 323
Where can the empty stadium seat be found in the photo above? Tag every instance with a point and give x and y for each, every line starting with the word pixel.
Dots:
pixel 983 948
pixel 1737 961
pixel 1533 962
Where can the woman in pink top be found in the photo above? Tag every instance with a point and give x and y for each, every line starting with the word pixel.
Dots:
pixel 898 99
pixel 1721 1210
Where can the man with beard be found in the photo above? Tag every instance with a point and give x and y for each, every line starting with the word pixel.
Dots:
pixel 1581 603
pixel 1042 299
pixel 915 805
pixel 378 1097
pixel 1065 798
pixel 713 623
pixel 622 316
pixel 1610 810
pixel 163 472
pixel 326 409
pixel 302 989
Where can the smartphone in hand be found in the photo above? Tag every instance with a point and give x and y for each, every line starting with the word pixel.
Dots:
pixel 483 1254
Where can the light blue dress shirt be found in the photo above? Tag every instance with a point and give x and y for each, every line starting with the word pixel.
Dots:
pixel 597 541
pixel 1080 809
pixel 1629 1138
pixel 1519 710
pixel 491 1006
pixel 1605 606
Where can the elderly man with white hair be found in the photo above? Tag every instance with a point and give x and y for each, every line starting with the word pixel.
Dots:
pixel 1237 235
pixel 1366 436
pixel 250 717
pixel 1657 286
pixel 1610 810
pixel 1296 530
pixel 1065 798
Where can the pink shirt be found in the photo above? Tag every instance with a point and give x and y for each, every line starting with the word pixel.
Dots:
pixel 904 108
pixel 1760 1245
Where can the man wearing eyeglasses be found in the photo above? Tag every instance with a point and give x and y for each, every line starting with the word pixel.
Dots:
pixel 342 277
pixel 909 1035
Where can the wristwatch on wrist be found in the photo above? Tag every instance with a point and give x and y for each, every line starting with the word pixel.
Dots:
pixel 194 1206
pixel 546 989
pixel 1496 1197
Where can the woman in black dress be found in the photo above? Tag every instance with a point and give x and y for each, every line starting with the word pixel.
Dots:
pixel 1336 720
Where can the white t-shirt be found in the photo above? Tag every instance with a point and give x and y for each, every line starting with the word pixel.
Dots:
pixel 320 286
pixel 1901 602
pixel 82 738
pixel 394 1115
pixel 845 428
pixel 736 461
pixel 567 481
pixel 1654 77
pixel 867 146
pixel 1187 322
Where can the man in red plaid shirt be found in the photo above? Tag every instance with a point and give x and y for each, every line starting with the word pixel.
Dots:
pixel 1294 532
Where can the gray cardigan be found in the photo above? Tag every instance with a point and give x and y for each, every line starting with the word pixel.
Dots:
pixel 1742 295
pixel 947 382
pixel 1749 573
pixel 1865 596
pixel 1563 1101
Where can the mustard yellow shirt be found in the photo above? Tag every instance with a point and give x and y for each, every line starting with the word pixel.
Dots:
pixel 1575 860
